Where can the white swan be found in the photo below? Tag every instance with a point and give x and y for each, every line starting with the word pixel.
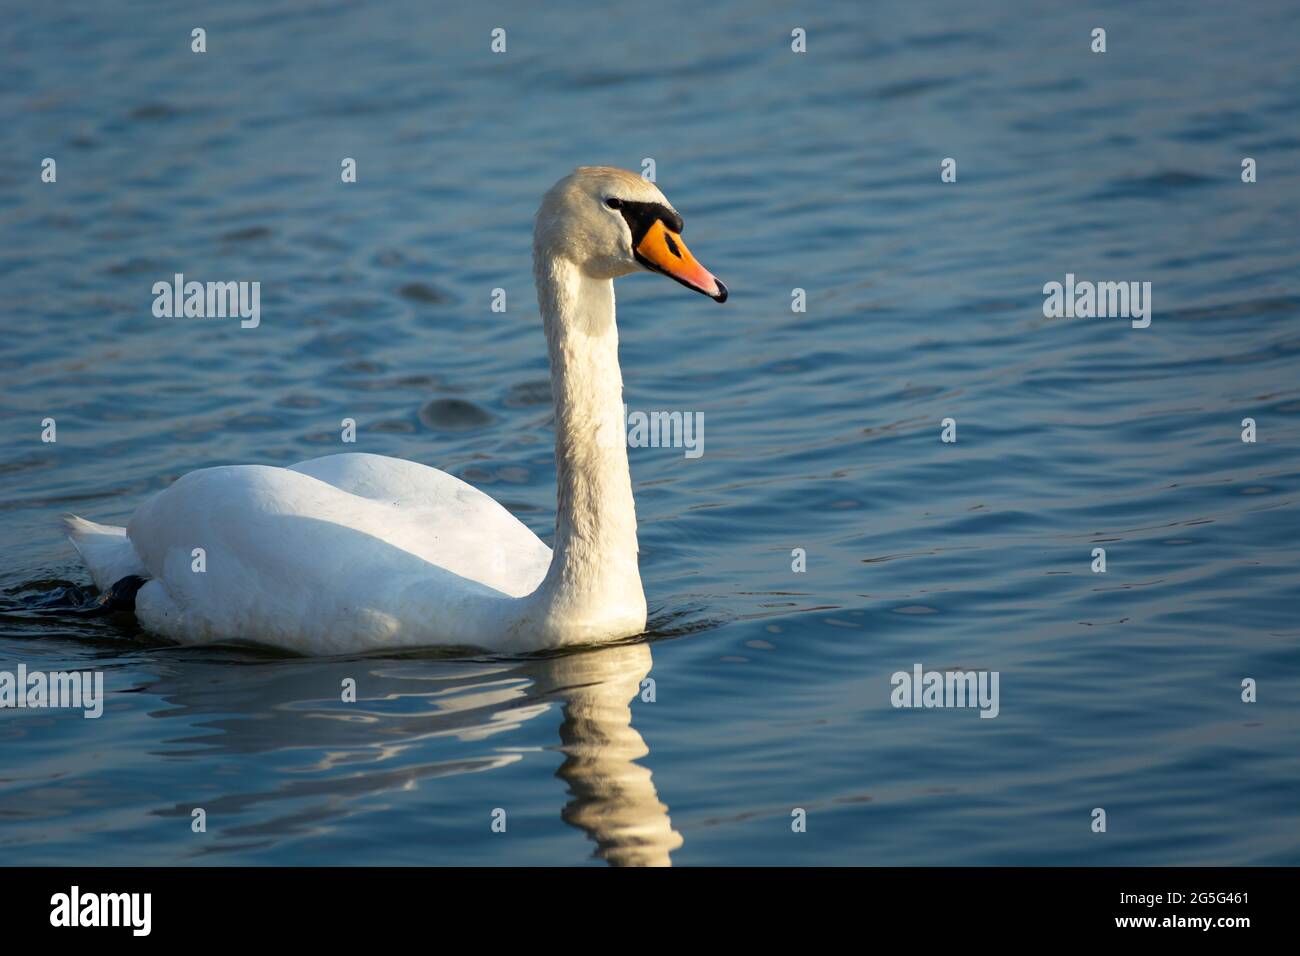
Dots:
pixel 361 552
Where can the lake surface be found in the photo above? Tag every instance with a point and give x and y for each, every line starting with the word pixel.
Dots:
pixel 924 301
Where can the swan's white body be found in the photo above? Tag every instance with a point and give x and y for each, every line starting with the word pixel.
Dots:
pixel 360 552
pixel 333 555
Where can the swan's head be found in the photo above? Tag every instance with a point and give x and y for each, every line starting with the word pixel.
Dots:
pixel 610 222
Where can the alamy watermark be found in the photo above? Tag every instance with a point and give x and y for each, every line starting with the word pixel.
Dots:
pixel 657 429
pixel 208 300
pixel 922 688
pixel 79 690
pixel 1105 300
pixel 75 908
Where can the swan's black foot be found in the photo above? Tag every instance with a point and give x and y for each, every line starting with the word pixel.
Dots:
pixel 121 596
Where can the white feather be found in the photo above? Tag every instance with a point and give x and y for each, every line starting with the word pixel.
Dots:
pixel 105 550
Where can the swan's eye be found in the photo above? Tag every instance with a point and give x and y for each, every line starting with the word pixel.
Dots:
pixel 613 203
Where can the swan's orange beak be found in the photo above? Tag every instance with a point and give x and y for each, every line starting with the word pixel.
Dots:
pixel 662 250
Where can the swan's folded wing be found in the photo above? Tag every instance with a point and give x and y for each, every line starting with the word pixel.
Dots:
pixel 460 528
pixel 290 559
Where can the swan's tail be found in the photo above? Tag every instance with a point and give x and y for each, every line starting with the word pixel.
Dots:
pixel 105 550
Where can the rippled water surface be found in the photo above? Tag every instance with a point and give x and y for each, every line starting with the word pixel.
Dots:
pixel 817 171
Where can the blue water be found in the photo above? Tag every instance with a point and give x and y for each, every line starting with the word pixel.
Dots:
pixel 771 688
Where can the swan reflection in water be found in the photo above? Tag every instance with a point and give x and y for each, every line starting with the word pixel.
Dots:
pixel 614 799
pixel 414 720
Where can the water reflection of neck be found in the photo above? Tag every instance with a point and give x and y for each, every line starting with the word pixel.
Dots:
pixel 614 798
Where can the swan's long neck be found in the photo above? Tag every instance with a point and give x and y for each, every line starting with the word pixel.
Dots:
pixel 593 581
